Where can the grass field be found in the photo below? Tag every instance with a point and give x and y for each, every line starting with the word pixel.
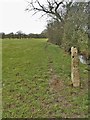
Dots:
pixel 0 78
pixel 30 69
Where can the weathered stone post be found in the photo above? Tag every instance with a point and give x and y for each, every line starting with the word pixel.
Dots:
pixel 75 77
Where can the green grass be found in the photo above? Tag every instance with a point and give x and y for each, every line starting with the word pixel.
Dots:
pixel 0 78
pixel 26 77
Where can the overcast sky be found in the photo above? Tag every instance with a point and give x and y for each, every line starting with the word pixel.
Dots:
pixel 14 18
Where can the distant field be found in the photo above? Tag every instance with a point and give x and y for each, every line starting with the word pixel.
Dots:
pixel 30 68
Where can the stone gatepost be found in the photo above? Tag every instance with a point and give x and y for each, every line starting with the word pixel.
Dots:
pixel 75 77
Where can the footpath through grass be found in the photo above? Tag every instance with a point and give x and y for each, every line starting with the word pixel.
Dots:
pixel 36 81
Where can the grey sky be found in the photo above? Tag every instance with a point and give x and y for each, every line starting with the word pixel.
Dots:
pixel 14 18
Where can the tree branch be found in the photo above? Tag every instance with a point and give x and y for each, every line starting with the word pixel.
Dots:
pixel 51 9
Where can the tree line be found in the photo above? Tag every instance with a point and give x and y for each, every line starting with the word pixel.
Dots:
pixel 68 24
pixel 20 35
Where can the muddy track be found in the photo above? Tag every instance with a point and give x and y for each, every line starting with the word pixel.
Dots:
pixel 55 82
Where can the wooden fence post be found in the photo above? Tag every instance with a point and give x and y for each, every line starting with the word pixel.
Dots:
pixel 75 77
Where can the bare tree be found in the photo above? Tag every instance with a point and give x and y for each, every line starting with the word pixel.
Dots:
pixel 54 8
